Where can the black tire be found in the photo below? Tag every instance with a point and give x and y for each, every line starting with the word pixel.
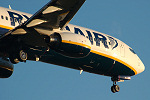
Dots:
pixel 117 88
pixel 113 89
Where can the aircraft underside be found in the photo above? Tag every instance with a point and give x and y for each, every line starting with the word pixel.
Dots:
pixel 93 63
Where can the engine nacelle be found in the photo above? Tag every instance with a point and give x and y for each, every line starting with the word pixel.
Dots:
pixel 6 68
pixel 69 44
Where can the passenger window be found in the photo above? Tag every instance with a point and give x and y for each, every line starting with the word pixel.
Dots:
pixel 6 18
pixel 2 17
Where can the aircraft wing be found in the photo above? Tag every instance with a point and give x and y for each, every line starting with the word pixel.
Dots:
pixel 53 16
pixel 56 14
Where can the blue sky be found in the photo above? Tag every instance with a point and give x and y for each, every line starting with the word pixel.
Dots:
pixel 127 20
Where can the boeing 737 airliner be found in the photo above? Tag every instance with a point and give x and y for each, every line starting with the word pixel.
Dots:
pixel 46 36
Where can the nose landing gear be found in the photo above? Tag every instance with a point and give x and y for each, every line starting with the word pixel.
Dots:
pixel 115 88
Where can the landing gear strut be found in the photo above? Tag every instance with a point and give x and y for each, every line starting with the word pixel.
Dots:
pixel 115 88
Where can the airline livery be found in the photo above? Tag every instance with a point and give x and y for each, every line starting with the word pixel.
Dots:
pixel 46 36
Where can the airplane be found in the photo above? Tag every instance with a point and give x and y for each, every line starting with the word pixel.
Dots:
pixel 48 37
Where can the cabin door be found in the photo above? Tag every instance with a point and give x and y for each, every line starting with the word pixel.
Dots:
pixel 122 50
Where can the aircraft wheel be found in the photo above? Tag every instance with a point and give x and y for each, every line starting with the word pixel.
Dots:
pixel 115 88
pixel 22 56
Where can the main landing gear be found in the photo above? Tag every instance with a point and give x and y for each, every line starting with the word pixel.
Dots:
pixel 18 56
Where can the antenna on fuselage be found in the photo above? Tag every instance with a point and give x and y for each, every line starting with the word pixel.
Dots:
pixel 9 7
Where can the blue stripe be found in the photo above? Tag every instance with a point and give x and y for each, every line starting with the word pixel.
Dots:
pixel 3 30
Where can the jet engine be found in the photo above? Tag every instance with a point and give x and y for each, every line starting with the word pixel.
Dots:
pixel 6 68
pixel 69 44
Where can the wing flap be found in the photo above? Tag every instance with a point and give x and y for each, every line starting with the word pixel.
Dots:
pixel 51 9
pixel 56 14
pixel 19 31
pixel 36 22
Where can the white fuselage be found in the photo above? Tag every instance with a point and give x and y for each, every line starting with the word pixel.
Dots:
pixel 101 44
